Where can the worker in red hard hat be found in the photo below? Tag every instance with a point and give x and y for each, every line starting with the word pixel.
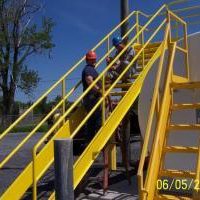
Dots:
pixel 89 74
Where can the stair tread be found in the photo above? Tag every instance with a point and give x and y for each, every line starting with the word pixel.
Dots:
pixel 188 85
pixel 171 197
pixel 150 45
pixel 177 173
pixel 121 85
pixel 148 51
pixel 181 149
pixel 119 93
pixel 184 126
pixel 179 106
pixel 139 68
pixel 146 55
pixel 135 75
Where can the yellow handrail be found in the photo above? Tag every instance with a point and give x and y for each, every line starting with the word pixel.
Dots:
pixel 191 16
pixel 144 14
pixel 151 114
pixel 65 96
pixel 35 179
pixel 103 72
pixel 6 159
pixel 186 9
pixel 116 81
pixel 198 165
pixel 61 79
pixel 197 180
pixel 80 98
pixel 185 48
pixel 177 17
pixel 160 137
pixel 177 2
pixel 144 190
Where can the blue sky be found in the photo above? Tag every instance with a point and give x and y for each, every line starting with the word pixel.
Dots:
pixel 80 24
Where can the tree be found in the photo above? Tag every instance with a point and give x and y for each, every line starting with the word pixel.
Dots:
pixel 20 38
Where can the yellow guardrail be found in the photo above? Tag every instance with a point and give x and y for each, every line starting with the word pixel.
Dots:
pixel 106 93
pixel 62 79
pixel 155 104
pixel 191 8
pixel 53 110
pixel 196 192
pixel 140 30
pixel 184 10
pixel 65 96
pixel 177 2
pixel 154 163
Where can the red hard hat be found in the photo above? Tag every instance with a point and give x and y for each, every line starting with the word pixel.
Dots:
pixel 91 55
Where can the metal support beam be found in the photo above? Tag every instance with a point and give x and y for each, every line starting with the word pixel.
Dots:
pixel 126 120
pixel 124 14
pixel 63 153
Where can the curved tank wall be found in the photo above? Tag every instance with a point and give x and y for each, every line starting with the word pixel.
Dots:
pixel 187 138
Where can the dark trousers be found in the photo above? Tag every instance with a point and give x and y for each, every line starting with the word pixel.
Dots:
pixel 94 123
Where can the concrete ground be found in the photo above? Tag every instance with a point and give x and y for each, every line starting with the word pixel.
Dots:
pixel 16 164
pixel 119 187
pixel 91 188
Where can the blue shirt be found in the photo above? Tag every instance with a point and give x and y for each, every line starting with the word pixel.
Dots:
pixel 89 70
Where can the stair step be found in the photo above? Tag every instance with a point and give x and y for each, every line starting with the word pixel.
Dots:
pixel 184 126
pixel 186 106
pixel 121 85
pixel 177 173
pixel 180 149
pixel 139 68
pixel 135 75
pixel 146 55
pixel 119 93
pixel 140 62
pixel 148 51
pixel 189 85
pixel 150 45
pixel 171 197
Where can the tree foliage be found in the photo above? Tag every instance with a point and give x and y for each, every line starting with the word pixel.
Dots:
pixel 21 37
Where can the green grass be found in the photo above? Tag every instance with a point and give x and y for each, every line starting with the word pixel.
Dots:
pixel 27 128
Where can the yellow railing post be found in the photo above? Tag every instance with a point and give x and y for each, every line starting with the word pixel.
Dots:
pixel 34 189
pixel 143 55
pixel 36 176
pixel 113 156
pixel 103 102
pixel 112 147
pixel 196 190
pixel 187 51
pixel 63 98
pixel 151 115
pixel 169 39
pixel 108 44
pixel 177 26
pixel 100 78
pixel 137 26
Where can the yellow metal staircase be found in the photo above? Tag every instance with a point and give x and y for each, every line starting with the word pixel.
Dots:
pixel 159 181
pixel 187 180
pixel 149 49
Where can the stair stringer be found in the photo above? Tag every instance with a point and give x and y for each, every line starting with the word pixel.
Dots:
pixel 44 159
pixel 105 133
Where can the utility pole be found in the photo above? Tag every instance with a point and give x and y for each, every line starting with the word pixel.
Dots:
pixel 63 163
pixel 124 13
pixel 126 121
